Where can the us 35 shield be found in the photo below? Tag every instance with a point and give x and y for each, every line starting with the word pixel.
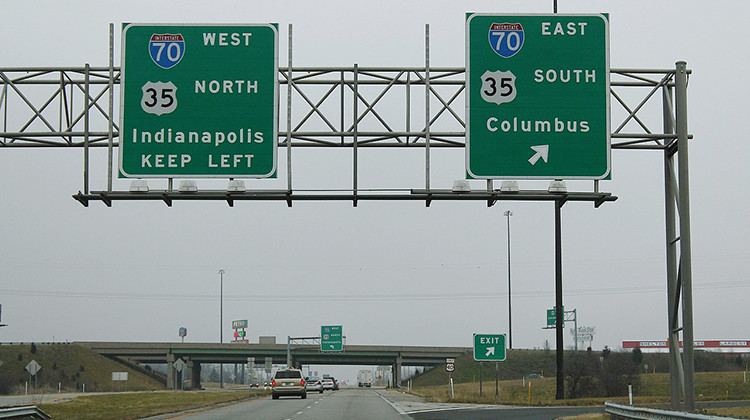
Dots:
pixel 166 50
pixel 506 39
pixel 498 87
pixel 159 98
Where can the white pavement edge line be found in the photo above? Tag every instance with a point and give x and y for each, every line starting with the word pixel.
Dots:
pixel 395 407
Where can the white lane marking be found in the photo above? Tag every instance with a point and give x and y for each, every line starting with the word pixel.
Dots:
pixel 451 407
pixel 398 410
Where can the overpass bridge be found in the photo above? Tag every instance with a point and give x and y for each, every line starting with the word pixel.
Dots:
pixel 195 354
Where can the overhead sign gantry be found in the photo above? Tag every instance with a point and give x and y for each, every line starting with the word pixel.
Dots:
pixel 77 128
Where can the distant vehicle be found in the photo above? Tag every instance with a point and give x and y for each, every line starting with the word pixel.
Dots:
pixel 288 382
pixel 329 383
pixel 314 383
pixel 364 378
pixel 255 384
pixel 335 382
pixel 531 376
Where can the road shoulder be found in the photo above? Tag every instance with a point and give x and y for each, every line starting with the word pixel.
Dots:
pixel 406 403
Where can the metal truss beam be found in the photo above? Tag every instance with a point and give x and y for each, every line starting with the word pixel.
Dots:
pixel 47 107
pixel 428 196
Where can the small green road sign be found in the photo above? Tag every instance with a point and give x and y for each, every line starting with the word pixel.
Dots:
pixel 537 92
pixel 199 101
pixel 489 347
pixel 552 317
pixel 331 338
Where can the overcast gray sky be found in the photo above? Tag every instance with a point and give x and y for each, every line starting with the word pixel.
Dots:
pixel 389 272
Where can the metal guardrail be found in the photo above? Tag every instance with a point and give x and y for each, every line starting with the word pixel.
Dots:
pixel 28 412
pixel 631 412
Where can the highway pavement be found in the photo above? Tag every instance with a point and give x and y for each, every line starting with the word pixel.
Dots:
pixel 355 404
pixel 344 404
pixel 369 404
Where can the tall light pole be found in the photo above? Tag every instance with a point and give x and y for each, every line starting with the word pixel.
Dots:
pixel 221 324
pixel 221 306
pixel 507 214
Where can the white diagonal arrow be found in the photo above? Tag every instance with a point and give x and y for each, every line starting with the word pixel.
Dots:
pixel 542 151
pixel 490 351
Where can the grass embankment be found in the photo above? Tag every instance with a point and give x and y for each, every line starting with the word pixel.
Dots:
pixel 654 388
pixel 132 406
pixel 520 363
pixel 68 366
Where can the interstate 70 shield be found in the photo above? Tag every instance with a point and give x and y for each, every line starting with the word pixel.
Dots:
pixel 506 39
pixel 166 49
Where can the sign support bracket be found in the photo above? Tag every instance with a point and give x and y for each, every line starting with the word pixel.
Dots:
pixel 560 380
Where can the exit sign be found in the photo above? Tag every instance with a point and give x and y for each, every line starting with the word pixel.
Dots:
pixel 489 347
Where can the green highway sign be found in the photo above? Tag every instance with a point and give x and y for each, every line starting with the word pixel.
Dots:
pixel 552 317
pixel 489 347
pixel 537 90
pixel 331 338
pixel 199 101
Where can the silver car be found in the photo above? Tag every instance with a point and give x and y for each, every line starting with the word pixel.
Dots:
pixel 328 383
pixel 313 383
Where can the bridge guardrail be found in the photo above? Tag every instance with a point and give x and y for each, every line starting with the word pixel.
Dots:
pixel 28 412
pixel 631 412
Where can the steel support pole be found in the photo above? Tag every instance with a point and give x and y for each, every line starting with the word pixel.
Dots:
pixel 288 350
pixel 559 318
pixel 342 115
pixel 575 329
pixel 673 295
pixel 355 139
pixel 289 87
pixel 497 380
pixel 221 324
pixel 86 130
pixel 408 106
pixel 685 247
pixel 509 213
pixel 427 105
pixel 110 122
pixel 481 377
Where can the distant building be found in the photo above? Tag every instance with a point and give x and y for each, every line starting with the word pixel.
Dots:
pixel 721 346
